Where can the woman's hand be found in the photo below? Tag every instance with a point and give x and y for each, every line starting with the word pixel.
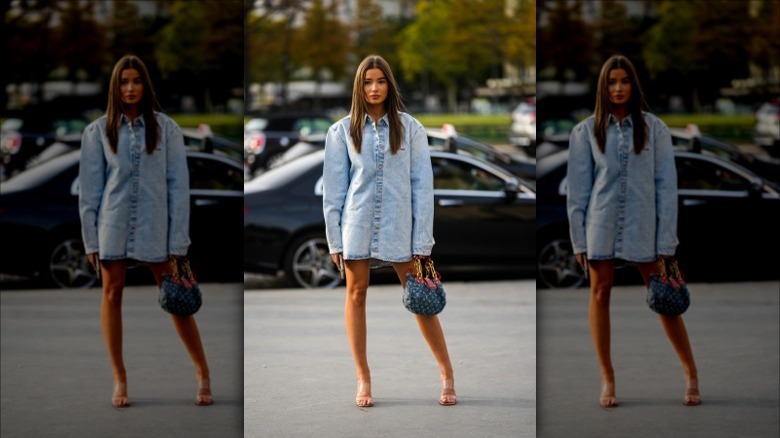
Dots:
pixel 335 258
pixel 582 259
pixel 93 260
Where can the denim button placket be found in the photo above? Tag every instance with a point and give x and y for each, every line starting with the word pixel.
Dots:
pixel 623 158
pixel 379 153
pixel 135 156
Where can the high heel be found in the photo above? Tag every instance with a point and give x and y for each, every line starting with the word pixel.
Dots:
pixel 607 398
pixel 204 397
pixel 692 395
pixel 363 398
pixel 448 397
pixel 119 397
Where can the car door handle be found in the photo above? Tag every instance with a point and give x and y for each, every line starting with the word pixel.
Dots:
pixel 204 202
pixel 692 202
pixel 450 202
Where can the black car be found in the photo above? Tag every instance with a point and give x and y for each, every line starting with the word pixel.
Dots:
pixel 483 216
pixel 42 233
pixel 439 140
pixel 267 137
pixel 24 135
pixel 727 214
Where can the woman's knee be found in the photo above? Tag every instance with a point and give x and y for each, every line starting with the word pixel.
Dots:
pixel 356 293
pixel 601 294
pixel 112 292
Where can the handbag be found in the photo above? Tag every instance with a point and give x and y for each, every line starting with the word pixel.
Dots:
pixel 667 293
pixel 424 294
pixel 179 291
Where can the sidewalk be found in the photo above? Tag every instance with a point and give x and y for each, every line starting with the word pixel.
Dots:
pixel 735 333
pixel 300 376
pixel 56 377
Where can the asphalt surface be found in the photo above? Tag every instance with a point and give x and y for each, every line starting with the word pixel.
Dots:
pixel 55 378
pixel 300 378
pixel 735 334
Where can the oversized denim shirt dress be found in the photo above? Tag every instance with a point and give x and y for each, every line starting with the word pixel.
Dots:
pixel 134 205
pixel 377 205
pixel 622 205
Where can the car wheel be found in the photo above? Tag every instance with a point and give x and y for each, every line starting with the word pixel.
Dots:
pixel 69 266
pixel 309 264
pixel 557 266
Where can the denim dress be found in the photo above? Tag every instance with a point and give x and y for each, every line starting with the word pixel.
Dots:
pixel 622 205
pixel 134 205
pixel 377 205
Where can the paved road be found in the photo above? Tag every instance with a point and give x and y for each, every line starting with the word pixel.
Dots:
pixel 300 377
pixel 735 333
pixel 56 378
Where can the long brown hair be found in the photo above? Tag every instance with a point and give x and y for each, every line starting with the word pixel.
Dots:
pixel 636 103
pixel 393 104
pixel 148 103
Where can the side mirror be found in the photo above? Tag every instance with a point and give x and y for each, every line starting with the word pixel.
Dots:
pixel 511 189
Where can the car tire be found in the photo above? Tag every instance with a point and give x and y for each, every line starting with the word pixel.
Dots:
pixel 557 265
pixel 308 263
pixel 68 265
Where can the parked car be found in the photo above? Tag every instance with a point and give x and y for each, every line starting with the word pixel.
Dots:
pixel 25 134
pixel 483 215
pixel 267 137
pixel 726 215
pixel 766 132
pixel 690 139
pixel 522 132
pixel 439 139
pixel 42 232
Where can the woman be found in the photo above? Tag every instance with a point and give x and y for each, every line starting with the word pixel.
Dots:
pixel 134 207
pixel 622 206
pixel 378 207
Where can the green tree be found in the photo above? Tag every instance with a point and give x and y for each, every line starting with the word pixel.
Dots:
pixel 373 34
pixel 521 34
pixel 566 42
pixel 765 44
pixel 324 42
pixel 84 42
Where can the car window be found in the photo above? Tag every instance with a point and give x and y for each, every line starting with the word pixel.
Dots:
pixel 459 175
pixel 211 174
pixel 705 175
pixel 307 126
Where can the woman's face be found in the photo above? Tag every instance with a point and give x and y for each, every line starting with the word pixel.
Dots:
pixel 375 86
pixel 130 86
pixel 618 86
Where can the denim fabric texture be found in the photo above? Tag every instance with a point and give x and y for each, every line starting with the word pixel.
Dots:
pixel 620 204
pixel 134 205
pixel 378 205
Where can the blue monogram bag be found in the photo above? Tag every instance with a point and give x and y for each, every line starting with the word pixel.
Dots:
pixel 179 292
pixel 668 294
pixel 423 293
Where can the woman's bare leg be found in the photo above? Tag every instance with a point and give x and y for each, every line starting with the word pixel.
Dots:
pixel 601 280
pixel 113 273
pixel 434 335
pixel 678 335
pixel 357 276
pixel 187 329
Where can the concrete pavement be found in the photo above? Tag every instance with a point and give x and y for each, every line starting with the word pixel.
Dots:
pixel 735 334
pixel 300 378
pixel 56 378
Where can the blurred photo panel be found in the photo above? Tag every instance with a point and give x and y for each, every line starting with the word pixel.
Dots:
pixel 657 146
pixel 122 157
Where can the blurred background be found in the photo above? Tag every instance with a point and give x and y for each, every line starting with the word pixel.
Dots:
pixel 711 71
pixel 57 60
pixel 466 70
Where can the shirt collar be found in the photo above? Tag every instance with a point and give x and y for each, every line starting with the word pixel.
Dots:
pixel 140 119
pixel 381 119
pixel 627 121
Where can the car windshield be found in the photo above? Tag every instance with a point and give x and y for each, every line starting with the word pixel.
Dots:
pixel 283 175
pixel 40 174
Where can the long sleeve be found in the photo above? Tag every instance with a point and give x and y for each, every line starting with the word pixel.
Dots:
pixel 665 191
pixel 335 183
pixel 422 192
pixel 178 183
pixel 92 177
pixel 579 185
